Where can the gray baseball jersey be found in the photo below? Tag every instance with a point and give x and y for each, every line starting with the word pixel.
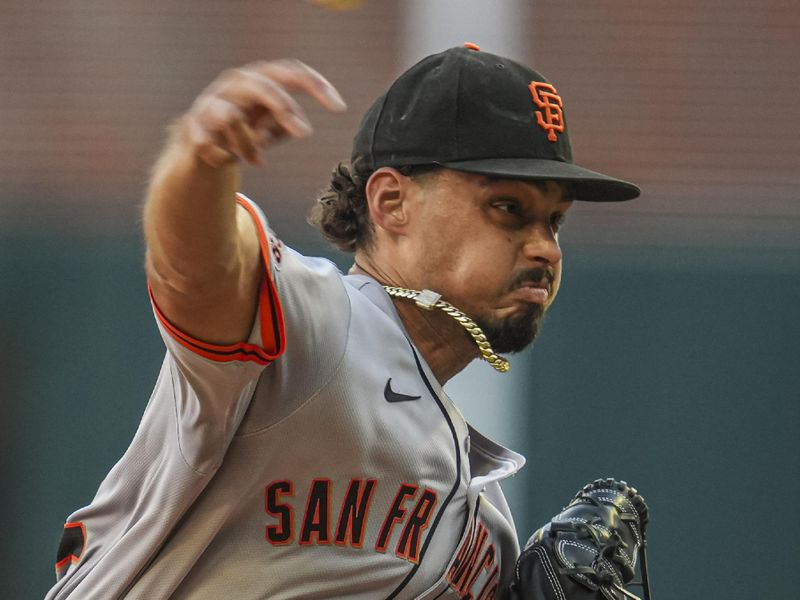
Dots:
pixel 320 459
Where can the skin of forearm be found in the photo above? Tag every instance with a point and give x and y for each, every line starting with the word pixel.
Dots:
pixel 202 258
pixel 190 219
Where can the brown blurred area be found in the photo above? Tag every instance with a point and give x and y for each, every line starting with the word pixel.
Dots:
pixel 89 87
pixel 696 102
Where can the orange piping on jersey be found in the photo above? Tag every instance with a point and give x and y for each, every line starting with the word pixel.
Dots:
pixel 72 558
pixel 271 314
pixel 273 336
pixel 241 351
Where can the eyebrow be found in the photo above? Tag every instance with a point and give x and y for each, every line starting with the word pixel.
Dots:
pixel 567 190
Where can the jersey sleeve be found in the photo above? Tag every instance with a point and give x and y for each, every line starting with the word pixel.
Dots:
pixel 205 395
pixel 266 341
pixel 213 385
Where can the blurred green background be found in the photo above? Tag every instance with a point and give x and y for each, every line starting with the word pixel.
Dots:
pixel 670 358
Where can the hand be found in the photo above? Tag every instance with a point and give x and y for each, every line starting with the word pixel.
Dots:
pixel 249 108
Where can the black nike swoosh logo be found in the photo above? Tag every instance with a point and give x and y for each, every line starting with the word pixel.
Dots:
pixel 392 396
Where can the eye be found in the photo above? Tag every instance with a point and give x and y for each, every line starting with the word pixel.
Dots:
pixel 507 205
pixel 556 221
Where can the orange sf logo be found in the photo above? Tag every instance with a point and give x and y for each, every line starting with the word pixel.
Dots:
pixel 550 118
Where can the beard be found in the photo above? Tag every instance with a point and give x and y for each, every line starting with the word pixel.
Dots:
pixel 514 333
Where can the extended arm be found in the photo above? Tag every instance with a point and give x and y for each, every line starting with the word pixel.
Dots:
pixel 203 262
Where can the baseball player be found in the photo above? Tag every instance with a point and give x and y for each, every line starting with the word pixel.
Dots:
pixel 298 442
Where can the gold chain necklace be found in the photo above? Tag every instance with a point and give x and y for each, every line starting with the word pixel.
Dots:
pixel 429 300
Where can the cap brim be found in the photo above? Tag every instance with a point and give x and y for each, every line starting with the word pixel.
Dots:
pixel 588 185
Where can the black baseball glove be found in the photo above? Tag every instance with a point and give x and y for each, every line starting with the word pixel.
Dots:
pixel 589 551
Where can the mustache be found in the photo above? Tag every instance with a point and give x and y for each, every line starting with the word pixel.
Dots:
pixel 534 275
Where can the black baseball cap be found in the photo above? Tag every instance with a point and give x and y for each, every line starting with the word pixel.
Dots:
pixel 477 112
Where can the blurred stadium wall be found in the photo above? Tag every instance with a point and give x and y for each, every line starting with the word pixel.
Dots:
pixel 670 359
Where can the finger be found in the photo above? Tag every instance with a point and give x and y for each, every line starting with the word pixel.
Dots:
pixel 206 147
pixel 257 95
pixel 243 141
pixel 219 132
pixel 270 136
pixel 218 123
pixel 298 76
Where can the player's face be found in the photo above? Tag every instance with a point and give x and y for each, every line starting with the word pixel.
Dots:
pixel 490 247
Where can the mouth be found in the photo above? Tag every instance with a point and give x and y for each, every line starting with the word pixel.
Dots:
pixel 533 286
pixel 534 292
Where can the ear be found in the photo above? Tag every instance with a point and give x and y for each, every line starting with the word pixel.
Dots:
pixel 387 191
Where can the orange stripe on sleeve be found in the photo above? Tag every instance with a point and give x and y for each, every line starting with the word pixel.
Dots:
pixel 273 337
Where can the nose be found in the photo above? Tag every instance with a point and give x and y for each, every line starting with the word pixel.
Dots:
pixel 541 246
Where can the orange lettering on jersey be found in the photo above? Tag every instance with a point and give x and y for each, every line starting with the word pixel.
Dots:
pixel 318 514
pixel 460 574
pixel 484 564
pixel 396 514
pixel 353 515
pixel 283 532
pixel 461 554
pixel 491 585
pixel 411 538
pixel 469 573
pixel 405 523
pixel 550 117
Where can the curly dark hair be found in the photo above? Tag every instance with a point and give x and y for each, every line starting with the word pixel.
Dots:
pixel 341 213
